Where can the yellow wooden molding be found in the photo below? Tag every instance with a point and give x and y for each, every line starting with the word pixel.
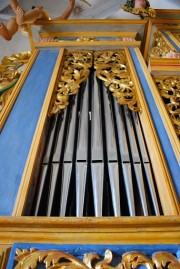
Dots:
pixel 174 39
pixel 106 230
pixel 4 255
pixel 105 43
pixel 91 33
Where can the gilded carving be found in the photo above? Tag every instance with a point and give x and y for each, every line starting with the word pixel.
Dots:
pixel 113 69
pixel 87 38
pixel 134 259
pixel 160 47
pixel 75 71
pixel 9 74
pixel 169 89
pixel 56 259
pixel 165 259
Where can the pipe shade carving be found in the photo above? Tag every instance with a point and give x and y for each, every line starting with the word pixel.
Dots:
pixel 57 259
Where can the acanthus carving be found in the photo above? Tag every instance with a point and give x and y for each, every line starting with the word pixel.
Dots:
pixel 75 71
pixel 160 47
pixel 10 73
pixel 169 88
pixel 113 69
pixel 54 259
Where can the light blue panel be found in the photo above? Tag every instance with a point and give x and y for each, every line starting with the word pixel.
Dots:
pixel 171 159
pixel 17 134
pixel 79 250
pixel 171 41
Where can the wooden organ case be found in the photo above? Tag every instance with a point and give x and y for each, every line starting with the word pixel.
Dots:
pixel 90 147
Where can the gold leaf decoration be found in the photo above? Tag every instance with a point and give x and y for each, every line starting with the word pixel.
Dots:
pixel 55 259
pixel 75 71
pixel 9 74
pixel 169 89
pixel 51 258
pixel 160 48
pixel 112 68
pixel 165 259
pixel 135 258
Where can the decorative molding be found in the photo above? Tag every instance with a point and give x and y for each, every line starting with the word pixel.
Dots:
pixel 75 71
pixel 112 67
pixel 169 89
pixel 177 35
pixel 4 255
pixel 57 259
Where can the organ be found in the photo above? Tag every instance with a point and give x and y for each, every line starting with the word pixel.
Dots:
pixel 90 145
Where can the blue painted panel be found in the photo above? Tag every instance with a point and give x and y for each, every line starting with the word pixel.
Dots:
pixel 79 250
pixel 17 134
pixel 171 41
pixel 171 159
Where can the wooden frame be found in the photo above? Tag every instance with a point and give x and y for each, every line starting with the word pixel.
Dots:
pixel 170 208
pixel 87 27
pixel 92 230
pixel 155 25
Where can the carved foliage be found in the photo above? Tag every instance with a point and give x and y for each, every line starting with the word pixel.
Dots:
pixel 160 47
pixel 75 71
pixel 169 88
pixel 9 74
pixel 113 69
pixel 56 259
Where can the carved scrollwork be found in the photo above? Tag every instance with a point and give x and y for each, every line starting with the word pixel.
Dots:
pixel 134 259
pixel 51 258
pixel 112 68
pixel 160 47
pixel 169 88
pixel 75 71
pixel 165 259
pixel 55 259
pixel 9 74
pixel 87 38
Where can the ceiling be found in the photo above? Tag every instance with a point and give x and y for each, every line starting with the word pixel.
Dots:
pixel 96 9
pixel 88 9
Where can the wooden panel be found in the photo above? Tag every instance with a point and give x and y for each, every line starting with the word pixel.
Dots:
pixel 16 136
